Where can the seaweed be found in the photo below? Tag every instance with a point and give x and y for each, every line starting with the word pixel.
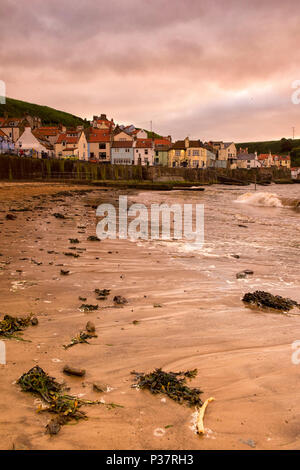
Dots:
pixel 10 325
pixel 88 307
pixel 75 255
pixel 172 384
pixel 59 216
pixel 102 294
pixel 265 299
pixel 66 407
pixel 82 337
pixel 92 238
pixel 74 240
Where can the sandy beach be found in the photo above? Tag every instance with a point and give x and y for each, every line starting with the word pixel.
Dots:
pixel 184 311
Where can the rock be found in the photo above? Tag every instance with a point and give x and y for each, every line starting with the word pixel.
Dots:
pixel 265 299
pixel 64 272
pixel 157 305
pixel 241 275
pixel 118 299
pixel 92 238
pixel 10 217
pixel 53 427
pixel 235 256
pixel 58 215
pixel 34 321
pixel 73 371
pixel 248 271
pixel 99 387
pixel 90 327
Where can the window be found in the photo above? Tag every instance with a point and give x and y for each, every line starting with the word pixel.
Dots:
pixel 177 153
pixel 102 155
pixel 102 146
pixel 195 153
pixel 146 151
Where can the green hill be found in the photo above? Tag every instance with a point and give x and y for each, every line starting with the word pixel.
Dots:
pixel 49 116
pixel 278 147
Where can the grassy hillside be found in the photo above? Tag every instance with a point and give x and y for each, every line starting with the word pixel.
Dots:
pixel 17 108
pixel 279 147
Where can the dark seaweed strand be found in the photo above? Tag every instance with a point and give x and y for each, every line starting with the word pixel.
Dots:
pixel 172 384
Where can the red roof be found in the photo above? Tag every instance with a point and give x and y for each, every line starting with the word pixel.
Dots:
pixel 143 143
pixel 122 144
pixel 68 139
pixel 263 156
pixel 162 143
pixel 98 135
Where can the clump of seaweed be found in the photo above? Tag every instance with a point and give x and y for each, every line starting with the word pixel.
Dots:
pixel 73 240
pixel 93 238
pixel 66 407
pixel 88 307
pixel 102 294
pixel 172 384
pixel 10 325
pixel 265 299
pixel 82 337
pixel 58 215
pixel 75 255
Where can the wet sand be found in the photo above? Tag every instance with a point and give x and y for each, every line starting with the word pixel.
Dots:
pixel 243 356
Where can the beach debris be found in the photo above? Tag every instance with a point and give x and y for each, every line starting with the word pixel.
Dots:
pixel 201 411
pixel 64 272
pixel 244 274
pixel 120 300
pixel 93 238
pixel 172 384
pixel 83 299
pixel 73 371
pixel 265 299
pixel 157 305
pixel 10 217
pixel 102 294
pixel 135 322
pixel 90 327
pixel 88 307
pixel 82 337
pixel 99 387
pixel 235 256
pixel 66 407
pixel 74 240
pixel 75 255
pixel 58 215
pixel 10 325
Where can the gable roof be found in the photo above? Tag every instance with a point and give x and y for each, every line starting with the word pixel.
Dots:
pixel 122 144
pixel 143 143
pixel 98 135
pixel 246 156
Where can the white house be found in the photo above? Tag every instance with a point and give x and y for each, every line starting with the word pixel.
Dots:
pixel 28 142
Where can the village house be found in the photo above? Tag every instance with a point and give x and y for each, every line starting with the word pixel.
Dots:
pixel 225 152
pixel 122 152
pixel 33 144
pixel 13 127
pixel 176 153
pixel 99 144
pixel 143 152
pixel 282 161
pixel 161 150
pixel 71 144
pixel 121 135
pixel 247 160
pixel 295 172
pixel 266 160
pixel 51 133
pixel 103 123
pixel 188 153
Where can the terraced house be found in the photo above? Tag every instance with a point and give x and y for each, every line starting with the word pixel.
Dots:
pixel 188 153
pixel 72 144
pixel 99 144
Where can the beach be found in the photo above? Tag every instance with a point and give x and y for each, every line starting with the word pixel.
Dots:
pixel 184 311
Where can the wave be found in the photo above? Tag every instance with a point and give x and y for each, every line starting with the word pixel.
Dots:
pixel 267 200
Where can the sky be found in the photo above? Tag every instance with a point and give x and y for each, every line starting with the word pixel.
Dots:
pixel 219 70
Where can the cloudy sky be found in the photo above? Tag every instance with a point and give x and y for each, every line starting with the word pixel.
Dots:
pixel 207 69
